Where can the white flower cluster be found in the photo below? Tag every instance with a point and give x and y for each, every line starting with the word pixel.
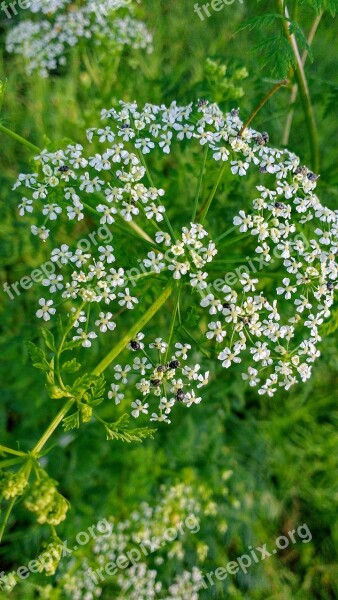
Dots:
pixel 185 256
pixel 277 327
pixel 44 43
pixel 92 282
pixel 280 335
pixel 179 511
pixel 158 378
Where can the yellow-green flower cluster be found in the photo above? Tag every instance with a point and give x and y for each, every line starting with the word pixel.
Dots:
pixel 46 502
pixel 12 484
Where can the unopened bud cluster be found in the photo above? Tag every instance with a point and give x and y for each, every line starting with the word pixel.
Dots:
pixel 46 502
pixel 12 484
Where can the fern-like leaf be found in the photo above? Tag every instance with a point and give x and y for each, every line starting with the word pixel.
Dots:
pixel 121 431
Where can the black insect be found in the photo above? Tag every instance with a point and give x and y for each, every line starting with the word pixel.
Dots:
pixel 135 345
pixel 180 395
pixel 226 305
pixel 330 286
pixel 63 169
pixel 161 368
pixel 279 205
pixel 261 140
pixel 174 364
pixel 155 382
pixel 245 320
pixel 301 171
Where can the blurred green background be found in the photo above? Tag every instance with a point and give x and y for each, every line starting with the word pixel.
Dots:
pixel 282 451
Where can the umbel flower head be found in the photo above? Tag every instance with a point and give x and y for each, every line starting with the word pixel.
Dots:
pixel 57 26
pixel 264 321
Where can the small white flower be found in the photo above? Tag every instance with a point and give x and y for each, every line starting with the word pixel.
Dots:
pixel 104 322
pixel 239 167
pixel 216 331
pixel 127 300
pixel 182 350
pixel 122 373
pixel 85 337
pixel 159 344
pixel 107 254
pixel 139 408
pixel 114 393
pixel 46 309
pixel 166 141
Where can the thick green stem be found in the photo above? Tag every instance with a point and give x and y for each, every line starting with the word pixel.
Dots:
pixel 18 138
pixel 54 424
pixel 133 331
pixel 303 89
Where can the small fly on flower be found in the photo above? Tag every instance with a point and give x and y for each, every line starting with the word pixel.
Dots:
pixel 180 395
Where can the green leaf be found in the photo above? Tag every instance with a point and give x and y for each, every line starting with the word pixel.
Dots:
pixel 71 345
pixel 72 421
pixel 120 431
pixel 71 366
pixel 49 339
pixel 55 392
pixel 323 5
pixel 301 38
pixel 38 357
pixel 97 391
pixel 276 52
pixel 91 386
pixel 261 21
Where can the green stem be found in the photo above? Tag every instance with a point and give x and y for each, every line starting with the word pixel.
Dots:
pixel 10 462
pixel 133 331
pixel 225 234
pixel 205 208
pixel 173 321
pixel 20 139
pixel 304 90
pixel 54 424
pixel 197 196
pixel 6 517
pixel 261 104
pixel 144 163
pixel 294 92
pixel 11 451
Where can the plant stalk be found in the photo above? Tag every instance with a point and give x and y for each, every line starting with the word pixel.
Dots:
pixel 261 104
pixel 294 91
pixel 18 138
pixel 54 424
pixel 303 89
pixel 205 208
